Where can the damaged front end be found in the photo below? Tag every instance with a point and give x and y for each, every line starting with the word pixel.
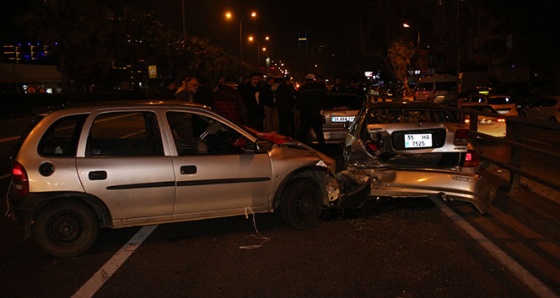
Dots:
pixel 357 185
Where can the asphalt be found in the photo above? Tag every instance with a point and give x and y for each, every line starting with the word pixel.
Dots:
pixel 532 203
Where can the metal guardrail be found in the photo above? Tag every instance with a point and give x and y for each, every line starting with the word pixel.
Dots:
pixel 517 139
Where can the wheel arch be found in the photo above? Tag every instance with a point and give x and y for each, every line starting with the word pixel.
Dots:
pixel 318 174
pixel 98 206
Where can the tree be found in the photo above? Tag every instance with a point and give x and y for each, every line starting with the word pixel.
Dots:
pixel 400 55
pixel 80 29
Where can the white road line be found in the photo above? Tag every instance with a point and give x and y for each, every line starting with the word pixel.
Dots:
pixel 540 289
pixel 9 139
pixel 5 176
pixel 100 277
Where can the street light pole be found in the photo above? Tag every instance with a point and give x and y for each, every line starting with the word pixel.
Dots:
pixel 184 19
pixel 240 39
pixel 259 49
pixel 229 15
pixel 406 25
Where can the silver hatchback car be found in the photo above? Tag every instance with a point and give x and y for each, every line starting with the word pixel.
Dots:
pixel 123 164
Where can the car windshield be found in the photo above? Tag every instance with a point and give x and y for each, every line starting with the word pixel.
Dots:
pixel 424 87
pixel 481 108
pixel 446 86
pixel 343 101
pixel 499 100
pixel 400 115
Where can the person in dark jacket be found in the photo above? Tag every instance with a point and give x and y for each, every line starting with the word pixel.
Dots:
pixel 255 111
pixel 285 99
pixel 309 102
pixel 228 102
pixel 268 101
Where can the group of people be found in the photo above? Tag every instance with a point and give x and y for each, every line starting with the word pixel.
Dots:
pixel 256 103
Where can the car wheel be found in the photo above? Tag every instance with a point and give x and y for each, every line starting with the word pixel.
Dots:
pixel 301 205
pixel 553 120
pixel 66 229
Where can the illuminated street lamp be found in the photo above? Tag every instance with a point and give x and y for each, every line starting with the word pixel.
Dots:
pixel 406 25
pixel 259 49
pixel 230 16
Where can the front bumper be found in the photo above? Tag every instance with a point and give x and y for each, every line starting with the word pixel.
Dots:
pixel 403 183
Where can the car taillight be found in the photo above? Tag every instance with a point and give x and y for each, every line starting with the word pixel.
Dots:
pixel 471 159
pixel 461 137
pixel 20 181
pixel 372 147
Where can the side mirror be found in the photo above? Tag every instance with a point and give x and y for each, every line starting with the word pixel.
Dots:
pixel 263 146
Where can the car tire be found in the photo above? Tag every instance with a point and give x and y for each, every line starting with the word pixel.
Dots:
pixel 301 205
pixel 66 228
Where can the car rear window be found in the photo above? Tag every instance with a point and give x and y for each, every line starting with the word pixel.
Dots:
pixel 499 100
pixel 61 138
pixel 399 115
pixel 343 101
pixel 446 86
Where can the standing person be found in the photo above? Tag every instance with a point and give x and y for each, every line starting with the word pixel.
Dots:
pixel 204 94
pixel 355 88
pixel 228 102
pixel 285 99
pixel 267 100
pixel 169 90
pixel 255 111
pixel 309 101
pixel 337 86
pixel 187 89
pixel 320 81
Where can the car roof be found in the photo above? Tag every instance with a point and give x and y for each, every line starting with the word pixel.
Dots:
pixel 84 107
pixel 471 103
pixel 404 104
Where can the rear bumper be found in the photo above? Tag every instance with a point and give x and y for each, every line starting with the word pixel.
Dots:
pixel 402 183
pixel 332 135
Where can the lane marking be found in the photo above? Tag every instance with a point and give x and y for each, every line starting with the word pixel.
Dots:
pixel 100 277
pixel 5 176
pixel 9 139
pixel 539 288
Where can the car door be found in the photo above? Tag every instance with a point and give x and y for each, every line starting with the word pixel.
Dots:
pixel 123 164
pixel 218 172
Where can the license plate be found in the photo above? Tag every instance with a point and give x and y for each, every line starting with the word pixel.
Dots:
pixel 418 140
pixel 342 119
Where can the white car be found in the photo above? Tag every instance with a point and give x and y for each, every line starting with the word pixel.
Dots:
pixel 545 108
pixel 490 125
pixel 502 103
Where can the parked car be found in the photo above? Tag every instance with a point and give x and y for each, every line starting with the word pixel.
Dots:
pixel 545 108
pixel 415 149
pixel 338 112
pixel 123 164
pixel 490 125
pixel 438 88
pixel 503 104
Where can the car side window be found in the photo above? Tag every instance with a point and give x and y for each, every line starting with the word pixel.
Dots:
pixel 124 134
pixel 194 134
pixel 61 138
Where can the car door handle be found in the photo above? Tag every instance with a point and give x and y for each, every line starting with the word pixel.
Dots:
pixel 97 175
pixel 188 170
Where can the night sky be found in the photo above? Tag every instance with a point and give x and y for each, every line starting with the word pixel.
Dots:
pixel 281 20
